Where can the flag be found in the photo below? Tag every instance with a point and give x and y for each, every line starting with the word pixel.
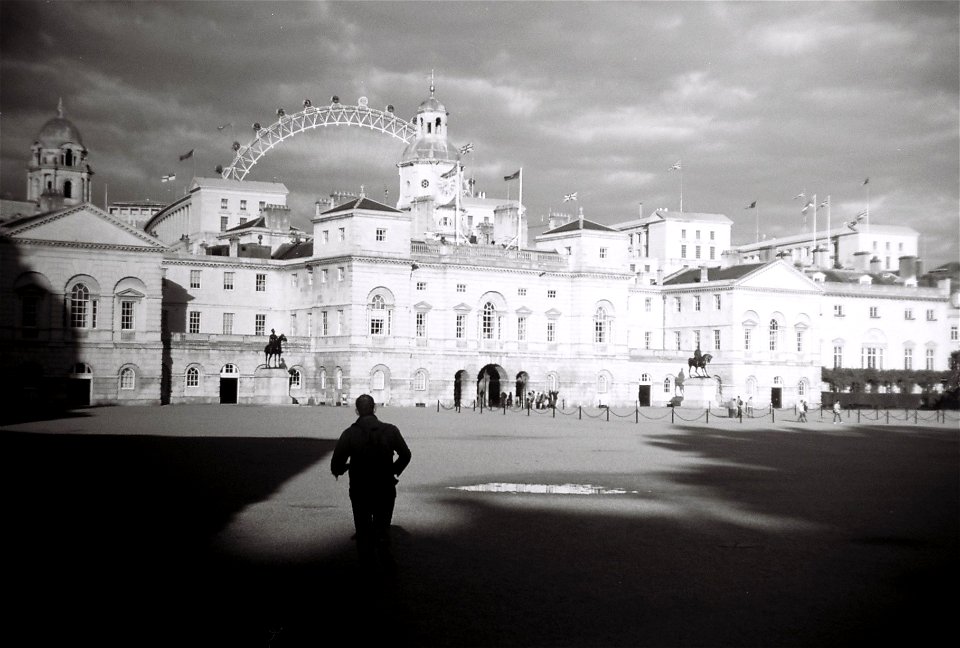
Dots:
pixel 512 176
pixel 570 196
pixel 800 195
pixel 222 126
pixel 853 225
pixel 823 204
pixel 168 178
pixel 449 174
pixel 806 207
pixel 676 167
pixel 867 181
pixel 187 155
pixel 861 216
pixel 466 148
pixel 751 205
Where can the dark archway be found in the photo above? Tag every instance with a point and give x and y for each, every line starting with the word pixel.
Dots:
pixel 488 385
pixel 523 379
pixel 459 380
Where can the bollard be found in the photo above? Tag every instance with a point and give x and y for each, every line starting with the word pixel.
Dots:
pixel 672 411
pixel 608 413
pixel 504 410
pixel 636 414
pixel 858 415
pixel 740 415
pixel 708 415
pixel 773 415
pixel 579 412
pixel 438 407
pixel 888 417
pixel 554 408
pixel 915 416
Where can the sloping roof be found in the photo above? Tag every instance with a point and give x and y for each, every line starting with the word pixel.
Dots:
pixel 692 275
pixel 577 224
pixel 256 222
pixel 853 276
pixel 250 185
pixel 691 216
pixel 294 250
pixel 362 203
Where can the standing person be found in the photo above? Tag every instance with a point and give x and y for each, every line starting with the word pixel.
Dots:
pixel 836 412
pixel 803 412
pixel 366 449
pixel 739 407
pixel 750 406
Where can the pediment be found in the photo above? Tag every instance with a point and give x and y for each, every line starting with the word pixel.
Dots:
pixel 780 276
pixel 85 225
pixel 462 308
pixel 130 293
pixel 553 312
pixel 422 306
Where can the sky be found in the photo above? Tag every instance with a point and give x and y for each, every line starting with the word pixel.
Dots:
pixel 758 101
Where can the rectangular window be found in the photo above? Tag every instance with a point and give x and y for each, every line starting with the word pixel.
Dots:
pixel 243 219
pixel 697 235
pixel 309 323
pixel 324 323
pixel 323 275
pixel 194 322
pixel 648 304
pixel 551 331
pixel 421 285
pixel 931 315
pixel 838 310
pixel 342 233
pixel 837 357
pixel 228 280
pixel 676 337
pixel 521 328
pixel 262 204
pixel 871 358
pixel 228 323
pixel 716 302
pixel 294 280
pixel 223 203
pixel 259 324
pixel 325 237
pixel 421 325
pixel 683 251
pixel 930 356
pixel 461 288
pixel 381 234
pixel 603 253
pixel 908 314
pixel 551 294
pixel 874 312
pixel 461 326
pixel 341 322
pixel 799 341
pixel 696 252
pixel 716 339
pixel 522 292
pixel 223 223
pixel 646 339
pixel 341 273
pixel 696 302
pixel 747 335
pixel 261 282
pixel 126 315
pixel 711 235
pixel 908 359
pixel 713 252
pixel 678 304
pixel 696 339
pixel 194 278
pixel 243 205
pixel 293 323
pixel 954 334
pixel 683 233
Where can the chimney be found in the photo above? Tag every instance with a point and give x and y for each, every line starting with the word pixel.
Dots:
pixel 943 286
pixel 861 261
pixel 821 258
pixel 908 268
pixel 659 276
pixel 641 211
pixel 875 265
pixel 919 268
pixel 316 208
pixel 704 275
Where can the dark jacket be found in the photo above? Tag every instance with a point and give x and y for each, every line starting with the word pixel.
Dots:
pixel 367 449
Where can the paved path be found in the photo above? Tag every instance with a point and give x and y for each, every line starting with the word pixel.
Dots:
pixel 221 525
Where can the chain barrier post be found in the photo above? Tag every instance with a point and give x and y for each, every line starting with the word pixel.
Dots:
pixel 915 416
pixel 504 409
pixel 740 414
pixel 579 412
pixel 636 413
pixel 773 415
pixel 554 408
pixel 858 415
pixel 888 417
pixel 438 406
pixel 708 415
pixel 673 411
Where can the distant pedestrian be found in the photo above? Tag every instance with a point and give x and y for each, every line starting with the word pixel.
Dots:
pixel 366 449
pixel 803 412
pixel 750 406
pixel 836 412
pixel 739 407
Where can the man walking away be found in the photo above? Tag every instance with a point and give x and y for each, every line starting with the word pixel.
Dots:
pixel 803 412
pixel 366 449
pixel 836 412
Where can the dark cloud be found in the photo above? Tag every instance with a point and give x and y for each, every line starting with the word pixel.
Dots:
pixel 759 99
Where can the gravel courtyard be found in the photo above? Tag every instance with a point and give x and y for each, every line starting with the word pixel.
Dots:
pixel 219 525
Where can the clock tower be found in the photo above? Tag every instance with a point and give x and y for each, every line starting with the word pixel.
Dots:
pixel 428 158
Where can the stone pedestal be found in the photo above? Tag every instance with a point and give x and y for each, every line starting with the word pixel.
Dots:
pixel 271 386
pixel 701 392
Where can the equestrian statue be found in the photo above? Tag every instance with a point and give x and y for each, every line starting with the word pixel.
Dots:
pixel 274 349
pixel 699 363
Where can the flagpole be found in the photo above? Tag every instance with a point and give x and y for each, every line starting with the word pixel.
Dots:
pixel 758 221
pixel 520 209
pixel 868 204
pixel 681 188
pixel 829 239
pixel 456 220
pixel 813 248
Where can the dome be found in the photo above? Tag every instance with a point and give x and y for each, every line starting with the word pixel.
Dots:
pixel 57 132
pixel 431 105
pixel 430 148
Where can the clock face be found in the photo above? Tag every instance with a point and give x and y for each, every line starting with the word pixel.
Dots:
pixel 424 183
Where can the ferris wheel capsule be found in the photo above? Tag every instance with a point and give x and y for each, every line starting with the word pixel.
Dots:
pixel 307 103
pixel 390 108
pixel 256 126
pixel 362 101
pixel 335 99
pixel 236 146
pixel 281 112
pixel 219 168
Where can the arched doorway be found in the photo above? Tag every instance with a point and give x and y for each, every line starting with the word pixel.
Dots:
pixel 643 391
pixel 229 384
pixel 523 379
pixel 776 393
pixel 488 385
pixel 78 386
pixel 459 380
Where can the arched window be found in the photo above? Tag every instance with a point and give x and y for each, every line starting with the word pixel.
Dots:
pixel 82 307
pixel 774 334
pixel 67 161
pixel 600 325
pixel 802 388
pixel 230 370
pixel 128 378
pixel 420 380
pixel 68 189
pixel 338 378
pixel 488 322
pixel 377 381
pixel 667 385
pixel 323 378
pixel 295 379
pixel 379 316
pixel 193 377
pixel 601 384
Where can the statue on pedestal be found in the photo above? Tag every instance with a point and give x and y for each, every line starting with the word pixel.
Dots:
pixel 699 363
pixel 274 349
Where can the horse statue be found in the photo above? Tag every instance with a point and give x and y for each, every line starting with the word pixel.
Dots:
pixel 274 349
pixel 699 363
